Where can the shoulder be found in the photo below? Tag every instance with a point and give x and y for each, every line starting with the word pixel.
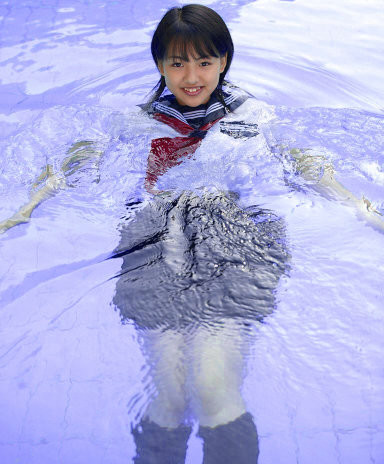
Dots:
pixel 248 106
pixel 165 103
pixel 247 118
pixel 135 126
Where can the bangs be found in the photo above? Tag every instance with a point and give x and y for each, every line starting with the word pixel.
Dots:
pixel 191 31
pixel 185 43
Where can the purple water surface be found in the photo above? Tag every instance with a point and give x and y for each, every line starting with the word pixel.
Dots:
pixel 71 378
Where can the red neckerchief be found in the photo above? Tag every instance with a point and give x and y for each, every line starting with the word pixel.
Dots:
pixel 167 152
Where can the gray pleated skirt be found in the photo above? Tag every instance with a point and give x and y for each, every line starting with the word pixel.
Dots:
pixel 191 259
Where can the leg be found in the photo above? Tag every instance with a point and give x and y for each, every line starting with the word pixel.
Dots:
pixel 160 445
pixel 218 364
pixel 164 352
pixel 235 442
pixel 161 437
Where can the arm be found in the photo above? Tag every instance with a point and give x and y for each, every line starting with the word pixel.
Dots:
pixel 320 173
pixel 50 183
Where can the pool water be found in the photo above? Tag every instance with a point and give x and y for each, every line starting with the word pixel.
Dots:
pixel 73 378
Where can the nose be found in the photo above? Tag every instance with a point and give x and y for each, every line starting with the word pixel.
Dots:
pixel 191 75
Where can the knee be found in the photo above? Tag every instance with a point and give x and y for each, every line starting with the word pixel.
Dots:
pixel 171 397
pixel 214 394
pixel 167 409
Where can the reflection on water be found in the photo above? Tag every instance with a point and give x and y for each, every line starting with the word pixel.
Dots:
pixel 75 381
pixel 301 54
pixel 294 364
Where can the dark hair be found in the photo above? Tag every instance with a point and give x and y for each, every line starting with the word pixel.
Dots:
pixel 192 25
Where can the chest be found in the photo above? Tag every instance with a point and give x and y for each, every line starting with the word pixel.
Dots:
pixel 233 156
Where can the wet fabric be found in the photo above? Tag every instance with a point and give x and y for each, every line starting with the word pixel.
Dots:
pixel 160 445
pixel 197 258
pixel 192 123
pixel 167 152
pixel 234 442
pixel 192 259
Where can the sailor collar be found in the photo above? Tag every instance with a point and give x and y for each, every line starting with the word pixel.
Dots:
pixel 201 115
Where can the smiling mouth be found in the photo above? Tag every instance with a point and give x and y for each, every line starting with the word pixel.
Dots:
pixel 192 91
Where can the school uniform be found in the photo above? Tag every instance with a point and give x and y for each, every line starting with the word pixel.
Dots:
pixel 200 252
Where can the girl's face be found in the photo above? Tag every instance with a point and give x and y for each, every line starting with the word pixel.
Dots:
pixel 193 81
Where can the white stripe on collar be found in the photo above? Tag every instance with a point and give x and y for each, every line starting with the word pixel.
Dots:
pixel 193 114
pixel 216 106
pixel 171 111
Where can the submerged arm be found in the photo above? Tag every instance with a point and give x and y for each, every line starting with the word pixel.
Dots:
pixel 51 183
pixel 320 173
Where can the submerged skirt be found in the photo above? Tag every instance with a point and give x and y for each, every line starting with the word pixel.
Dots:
pixel 191 259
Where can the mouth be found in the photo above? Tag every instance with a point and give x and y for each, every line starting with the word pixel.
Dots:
pixel 192 91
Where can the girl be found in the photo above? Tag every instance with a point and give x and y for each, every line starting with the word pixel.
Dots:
pixel 200 262
pixel 211 268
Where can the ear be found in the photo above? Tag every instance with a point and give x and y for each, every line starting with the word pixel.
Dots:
pixel 160 67
pixel 223 62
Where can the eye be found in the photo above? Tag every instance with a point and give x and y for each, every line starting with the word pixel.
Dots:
pixel 205 63
pixel 176 64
